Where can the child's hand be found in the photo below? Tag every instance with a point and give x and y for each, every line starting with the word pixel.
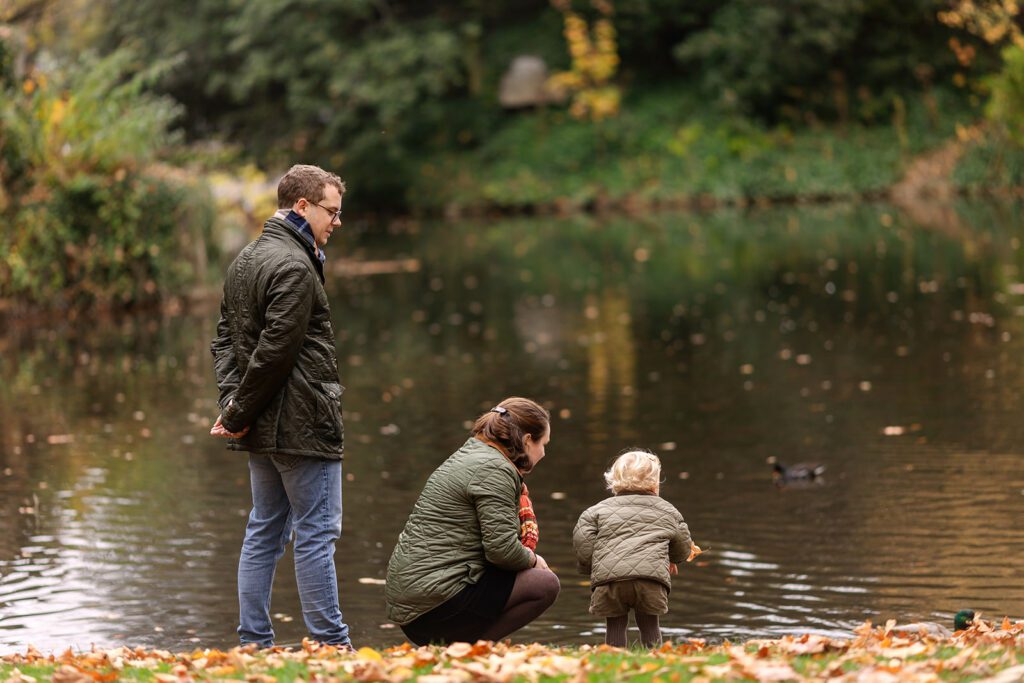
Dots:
pixel 673 568
pixel 694 552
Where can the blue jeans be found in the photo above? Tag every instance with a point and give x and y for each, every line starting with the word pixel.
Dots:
pixel 300 494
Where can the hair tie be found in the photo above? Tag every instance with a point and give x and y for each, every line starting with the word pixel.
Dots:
pixel 499 410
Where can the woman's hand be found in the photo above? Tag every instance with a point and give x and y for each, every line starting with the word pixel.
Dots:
pixel 540 563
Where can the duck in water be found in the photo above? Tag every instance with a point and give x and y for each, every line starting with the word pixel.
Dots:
pixel 961 620
pixel 800 472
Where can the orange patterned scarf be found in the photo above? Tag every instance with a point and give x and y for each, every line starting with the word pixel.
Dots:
pixel 529 532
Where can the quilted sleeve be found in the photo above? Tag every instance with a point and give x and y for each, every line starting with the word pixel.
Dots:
pixel 495 493
pixel 679 546
pixel 224 358
pixel 583 538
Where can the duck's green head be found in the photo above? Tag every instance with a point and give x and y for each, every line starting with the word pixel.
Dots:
pixel 963 619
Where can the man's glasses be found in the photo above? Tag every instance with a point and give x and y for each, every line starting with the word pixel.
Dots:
pixel 335 215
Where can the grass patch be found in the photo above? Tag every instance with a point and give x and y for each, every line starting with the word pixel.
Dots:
pixel 666 146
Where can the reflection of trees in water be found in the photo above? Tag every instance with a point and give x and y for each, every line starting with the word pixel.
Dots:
pixel 611 365
pixel 106 425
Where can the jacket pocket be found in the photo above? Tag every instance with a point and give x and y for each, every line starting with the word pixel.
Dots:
pixel 328 409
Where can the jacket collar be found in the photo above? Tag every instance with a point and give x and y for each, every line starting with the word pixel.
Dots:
pixel 477 442
pixel 299 224
pixel 282 228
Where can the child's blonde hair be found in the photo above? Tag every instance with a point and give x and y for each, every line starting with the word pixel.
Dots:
pixel 634 471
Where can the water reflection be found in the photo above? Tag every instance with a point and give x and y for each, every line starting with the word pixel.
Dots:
pixel 845 335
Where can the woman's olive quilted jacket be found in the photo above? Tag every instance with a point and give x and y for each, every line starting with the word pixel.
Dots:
pixel 466 517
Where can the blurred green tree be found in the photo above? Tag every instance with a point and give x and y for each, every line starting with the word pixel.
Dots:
pixel 376 88
pixel 832 58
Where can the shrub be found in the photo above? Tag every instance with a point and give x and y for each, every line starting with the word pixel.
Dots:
pixel 90 216
pixel 1006 105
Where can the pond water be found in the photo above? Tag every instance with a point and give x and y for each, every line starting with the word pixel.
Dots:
pixel 886 349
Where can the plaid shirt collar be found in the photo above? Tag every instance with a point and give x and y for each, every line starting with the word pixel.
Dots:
pixel 303 228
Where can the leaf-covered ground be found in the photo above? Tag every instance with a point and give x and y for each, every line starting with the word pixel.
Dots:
pixel 992 652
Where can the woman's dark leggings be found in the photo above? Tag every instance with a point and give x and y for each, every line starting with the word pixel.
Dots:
pixel 533 592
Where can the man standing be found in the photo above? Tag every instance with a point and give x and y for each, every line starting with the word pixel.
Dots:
pixel 280 401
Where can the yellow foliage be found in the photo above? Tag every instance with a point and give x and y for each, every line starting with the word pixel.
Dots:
pixel 995 21
pixel 595 60
pixel 57 111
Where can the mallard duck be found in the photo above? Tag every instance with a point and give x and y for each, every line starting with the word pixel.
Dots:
pixel 961 620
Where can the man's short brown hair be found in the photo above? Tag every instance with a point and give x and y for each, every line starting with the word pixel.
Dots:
pixel 305 181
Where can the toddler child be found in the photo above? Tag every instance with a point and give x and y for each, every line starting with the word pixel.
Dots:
pixel 629 544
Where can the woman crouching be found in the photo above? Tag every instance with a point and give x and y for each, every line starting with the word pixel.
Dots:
pixel 462 569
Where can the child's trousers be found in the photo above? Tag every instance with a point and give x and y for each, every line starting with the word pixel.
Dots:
pixel 614 601
pixel 650 630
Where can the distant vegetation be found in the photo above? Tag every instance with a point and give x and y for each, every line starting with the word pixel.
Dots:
pixel 379 89
pixel 658 102
pixel 90 216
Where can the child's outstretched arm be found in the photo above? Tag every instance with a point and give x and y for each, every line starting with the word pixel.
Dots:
pixel 681 543
pixel 583 537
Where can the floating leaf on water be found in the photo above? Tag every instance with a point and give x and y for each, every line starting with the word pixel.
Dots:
pixel 557 495
pixel 59 439
pixel 668 446
pixel 370 581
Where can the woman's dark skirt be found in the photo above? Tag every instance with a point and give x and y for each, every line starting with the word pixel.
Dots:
pixel 465 617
